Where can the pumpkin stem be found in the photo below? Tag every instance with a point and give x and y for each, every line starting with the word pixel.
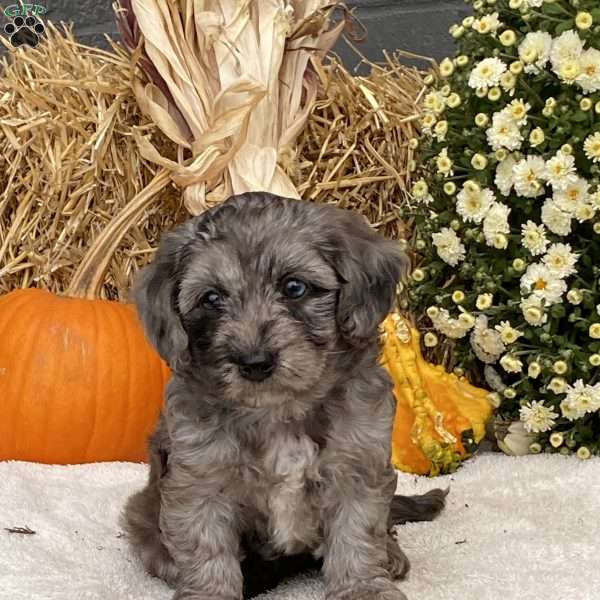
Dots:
pixel 89 277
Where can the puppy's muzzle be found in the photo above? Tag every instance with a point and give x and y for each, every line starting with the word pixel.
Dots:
pixel 256 366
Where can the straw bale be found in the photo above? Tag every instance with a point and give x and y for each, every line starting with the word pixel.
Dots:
pixel 70 166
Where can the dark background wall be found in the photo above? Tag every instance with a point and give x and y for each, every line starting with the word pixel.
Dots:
pixel 420 26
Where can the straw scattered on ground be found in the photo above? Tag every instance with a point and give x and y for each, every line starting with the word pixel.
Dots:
pixel 69 164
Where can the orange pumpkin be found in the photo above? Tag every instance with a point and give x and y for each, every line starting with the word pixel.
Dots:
pixel 79 382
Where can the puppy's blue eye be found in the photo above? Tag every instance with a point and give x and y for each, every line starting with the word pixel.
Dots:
pixel 294 288
pixel 211 300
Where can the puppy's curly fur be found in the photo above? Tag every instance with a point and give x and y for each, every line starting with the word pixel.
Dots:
pixel 273 451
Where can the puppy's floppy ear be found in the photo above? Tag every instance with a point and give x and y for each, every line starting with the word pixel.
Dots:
pixel 370 268
pixel 155 294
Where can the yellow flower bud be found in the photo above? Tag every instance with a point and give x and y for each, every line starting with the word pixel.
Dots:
pixel 597 108
pixel 495 94
pixel 499 241
pixel 481 92
pixel 551 102
pixel 594 360
pixel 450 188
pixel 594 331
pixel 583 453
pixel 441 128
pixel 446 67
pixel 535 448
pixel 534 370
pixel 468 21
pixel 462 60
pixel 472 186
pixel 466 319
pixel 519 264
pixel 458 32
pixel 584 20
pixel 413 144
pixel 560 367
pixel 557 385
pixel 556 439
pixel 509 393
pixel 567 149
pixel 479 162
pixel 420 244
pixel 430 339
pixel 547 111
pixel 586 104
pixel 516 68
pixel 458 296
pixel 446 90
pixel 484 301
pixel 501 154
pixel 418 275
pixel 574 297
pixel 429 79
pixel 529 56
pixel 433 312
pixel 596 227
pixel 420 189
pixel 515 4
pixel 481 120
pixel 508 81
pixel 569 70
pixel 454 100
pixel 508 38
pixel 537 137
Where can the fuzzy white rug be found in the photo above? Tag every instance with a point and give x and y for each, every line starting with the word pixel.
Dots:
pixel 514 529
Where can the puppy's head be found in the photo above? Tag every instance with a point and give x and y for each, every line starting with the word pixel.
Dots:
pixel 261 294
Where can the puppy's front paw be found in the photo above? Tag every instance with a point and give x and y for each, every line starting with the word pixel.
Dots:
pixel 398 563
pixel 377 589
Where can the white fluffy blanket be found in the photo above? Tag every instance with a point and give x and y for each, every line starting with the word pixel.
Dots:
pixel 514 529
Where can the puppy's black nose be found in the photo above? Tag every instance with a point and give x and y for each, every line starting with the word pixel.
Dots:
pixel 256 366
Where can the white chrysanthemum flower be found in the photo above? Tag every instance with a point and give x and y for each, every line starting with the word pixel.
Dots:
pixel 449 247
pixel 555 219
pixel 560 260
pixel 589 78
pixel 529 175
pixel 533 311
pixel 435 102
pixel 444 163
pixel 504 132
pixel 504 175
pixel 486 73
pixel 517 110
pixel 573 196
pixel 508 333
pixel 537 44
pixel 511 364
pixel 561 171
pixel 581 399
pixel 567 47
pixel 540 281
pixel 452 328
pixel 534 238
pixel 486 343
pixel 591 147
pixel 496 223
pixel 487 24
pixel 473 204
pixel 537 418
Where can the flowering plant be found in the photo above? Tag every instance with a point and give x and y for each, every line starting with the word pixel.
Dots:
pixel 507 216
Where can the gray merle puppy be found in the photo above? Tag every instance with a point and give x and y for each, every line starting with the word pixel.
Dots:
pixel 272 454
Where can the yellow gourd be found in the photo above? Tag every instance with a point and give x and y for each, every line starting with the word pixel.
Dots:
pixel 437 412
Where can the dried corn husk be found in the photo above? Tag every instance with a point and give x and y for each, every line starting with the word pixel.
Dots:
pixel 230 82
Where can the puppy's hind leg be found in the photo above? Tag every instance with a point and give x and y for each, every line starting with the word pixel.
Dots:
pixel 140 521
pixel 140 518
